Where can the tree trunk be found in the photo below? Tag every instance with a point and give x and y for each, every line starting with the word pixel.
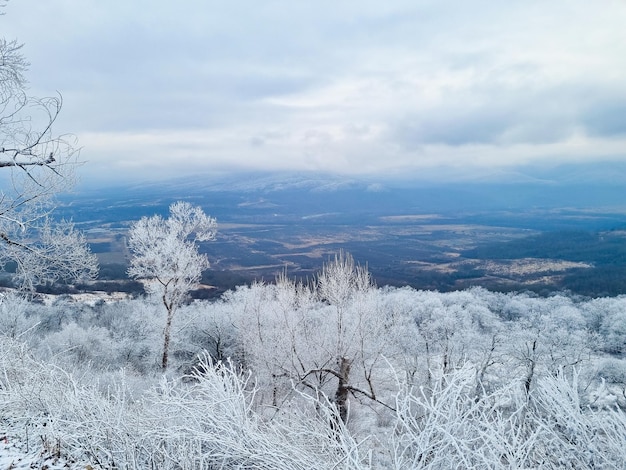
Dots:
pixel 166 336
pixel 531 368
pixel 341 396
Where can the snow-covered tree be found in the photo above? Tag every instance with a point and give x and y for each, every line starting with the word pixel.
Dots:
pixel 548 336
pixel 37 165
pixel 165 255
pixel 328 338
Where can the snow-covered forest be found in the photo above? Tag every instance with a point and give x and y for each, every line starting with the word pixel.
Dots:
pixel 333 373
pixel 337 373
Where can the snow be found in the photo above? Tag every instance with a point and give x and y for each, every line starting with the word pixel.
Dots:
pixel 14 457
pixel 16 454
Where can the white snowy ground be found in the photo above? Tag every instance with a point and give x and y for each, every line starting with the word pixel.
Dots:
pixel 13 456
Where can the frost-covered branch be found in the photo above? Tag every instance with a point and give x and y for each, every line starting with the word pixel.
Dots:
pixel 37 165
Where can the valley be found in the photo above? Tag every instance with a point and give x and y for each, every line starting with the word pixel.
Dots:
pixel 542 238
pixel 402 240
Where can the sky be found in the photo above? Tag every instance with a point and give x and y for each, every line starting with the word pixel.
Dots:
pixel 157 89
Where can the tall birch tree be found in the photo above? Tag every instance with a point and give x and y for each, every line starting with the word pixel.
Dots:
pixel 165 255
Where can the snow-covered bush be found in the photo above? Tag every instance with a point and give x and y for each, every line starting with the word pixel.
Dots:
pixel 205 420
pixel 17 318
pixel 209 420
pixel 450 427
pixel 613 370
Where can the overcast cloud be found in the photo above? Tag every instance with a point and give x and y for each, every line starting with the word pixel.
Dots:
pixel 160 88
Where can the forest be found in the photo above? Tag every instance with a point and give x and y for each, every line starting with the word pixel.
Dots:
pixel 338 373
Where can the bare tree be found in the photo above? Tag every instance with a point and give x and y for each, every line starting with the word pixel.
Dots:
pixel 39 164
pixel 343 285
pixel 165 254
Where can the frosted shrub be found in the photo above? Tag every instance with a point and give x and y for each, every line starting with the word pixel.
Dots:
pixel 205 326
pixel 449 427
pixel 613 331
pixel 205 421
pixel 613 370
pixel 16 318
pixel 82 346
pixel 452 428
pixel 574 436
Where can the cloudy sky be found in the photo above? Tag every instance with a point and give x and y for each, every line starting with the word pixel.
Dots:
pixel 156 88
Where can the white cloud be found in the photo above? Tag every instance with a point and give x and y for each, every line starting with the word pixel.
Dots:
pixel 155 87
